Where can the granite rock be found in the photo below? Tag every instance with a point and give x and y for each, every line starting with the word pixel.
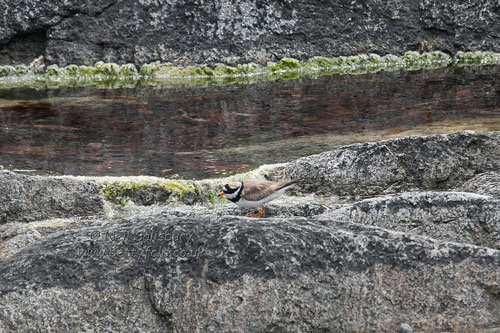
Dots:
pixel 240 31
pixel 14 237
pixel 324 260
pixel 225 274
pixel 437 162
pixel 448 216
pixel 487 183
pixel 30 198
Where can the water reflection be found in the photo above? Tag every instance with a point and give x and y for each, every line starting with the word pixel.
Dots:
pixel 202 131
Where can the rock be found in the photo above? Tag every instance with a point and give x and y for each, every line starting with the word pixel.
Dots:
pixel 449 216
pixel 436 162
pixel 15 236
pixel 321 262
pixel 239 31
pixel 405 328
pixel 487 183
pixel 224 274
pixel 29 198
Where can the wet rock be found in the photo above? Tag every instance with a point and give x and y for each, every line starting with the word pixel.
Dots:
pixel 30 198
pixel 240 31
pixel 412 163
pixel 224 274
pixel 487 183
pixel 449 216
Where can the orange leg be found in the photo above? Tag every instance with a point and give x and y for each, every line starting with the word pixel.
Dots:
pixel 259 213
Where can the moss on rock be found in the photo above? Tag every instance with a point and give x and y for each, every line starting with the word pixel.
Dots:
pixel 112 75
pixel 151 190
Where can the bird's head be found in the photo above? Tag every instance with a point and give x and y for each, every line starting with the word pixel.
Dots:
pixel 230 190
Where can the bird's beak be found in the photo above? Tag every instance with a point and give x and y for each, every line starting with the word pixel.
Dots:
pixel 221 193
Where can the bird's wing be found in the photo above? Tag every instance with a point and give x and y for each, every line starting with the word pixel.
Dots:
pixel 285 183
pixel 256 190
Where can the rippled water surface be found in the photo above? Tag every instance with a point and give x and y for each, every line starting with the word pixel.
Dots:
pixel 205 131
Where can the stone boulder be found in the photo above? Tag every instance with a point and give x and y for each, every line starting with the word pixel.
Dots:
pixel 448 216
pixel 30 198
pixel 435 162
pixel 14 237
pixel 487 183
pixel 228 274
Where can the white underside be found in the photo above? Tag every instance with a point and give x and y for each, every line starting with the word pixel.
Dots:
pixel 258 204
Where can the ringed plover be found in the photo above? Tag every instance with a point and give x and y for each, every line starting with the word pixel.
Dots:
pixel 254 193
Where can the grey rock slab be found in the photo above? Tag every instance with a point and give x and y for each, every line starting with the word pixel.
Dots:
pixel 448 216
pixel 227 274
pixel 390 166
pixel 487 183
pixel 29 198
pixel 14 237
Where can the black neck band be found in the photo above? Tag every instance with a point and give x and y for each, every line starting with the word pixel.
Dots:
pixel 238 195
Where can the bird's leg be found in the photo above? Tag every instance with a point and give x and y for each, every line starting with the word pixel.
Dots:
pixel 259 213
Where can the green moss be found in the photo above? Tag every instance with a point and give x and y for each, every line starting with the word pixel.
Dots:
pixel 120 192
pixel 53 70
pixel 115 193
pixel 249 69
pixel 7 70
pixel 21 69
pixel 477 58
pixel 319 63
pixel 289 63
pixel 285 64
pixel 110 75
pixel 221 70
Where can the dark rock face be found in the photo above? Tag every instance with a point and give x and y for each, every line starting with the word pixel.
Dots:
pixel 29 198
pixel 413 163
pixel 187 32
pixel 225 274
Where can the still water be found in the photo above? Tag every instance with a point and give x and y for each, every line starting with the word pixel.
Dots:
pixel 210 130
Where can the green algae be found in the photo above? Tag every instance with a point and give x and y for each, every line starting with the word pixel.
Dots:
pixel 120 192
pixel 477 58
pixel 112 75
pixel 146 191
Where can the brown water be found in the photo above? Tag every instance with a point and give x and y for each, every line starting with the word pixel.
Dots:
pixel 204 131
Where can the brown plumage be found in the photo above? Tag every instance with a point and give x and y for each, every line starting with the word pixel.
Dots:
pixel 254 193
pixel 256 190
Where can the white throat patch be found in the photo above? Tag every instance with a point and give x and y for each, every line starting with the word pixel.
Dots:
pixel 234 194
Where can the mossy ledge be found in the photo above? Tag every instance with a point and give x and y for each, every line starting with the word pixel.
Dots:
pixel 148 190
pixel 113 75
